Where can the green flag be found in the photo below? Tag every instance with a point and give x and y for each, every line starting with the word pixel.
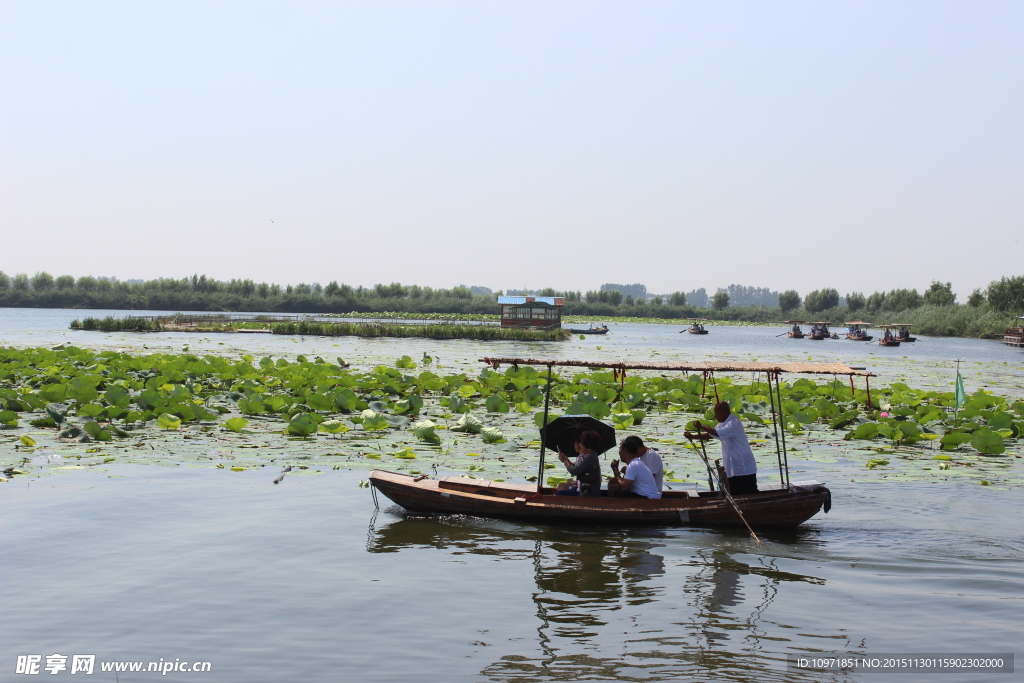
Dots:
pixel 960 395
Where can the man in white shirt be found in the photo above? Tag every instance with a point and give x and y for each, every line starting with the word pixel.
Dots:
pixel 738 458
pixel 648 456
pixel 636 482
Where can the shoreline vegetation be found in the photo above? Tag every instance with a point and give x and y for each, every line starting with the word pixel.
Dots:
pixel 433 330
pixel 935 312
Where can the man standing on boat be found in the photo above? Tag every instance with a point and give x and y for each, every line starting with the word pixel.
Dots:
pixel 634 445
pixel 738 458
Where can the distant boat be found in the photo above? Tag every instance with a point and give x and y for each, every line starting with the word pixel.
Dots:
pixel 819 331
pixel 888 337
pixel 593 329
pixel 856 331
pixel 696 326
pixel 796 332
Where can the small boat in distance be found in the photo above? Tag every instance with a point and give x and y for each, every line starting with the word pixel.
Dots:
pixel 593 329
pixel 889 337
pixel 903 333
pixel 857 332
pixel 795 332
pixel 696 326
pixel 820 331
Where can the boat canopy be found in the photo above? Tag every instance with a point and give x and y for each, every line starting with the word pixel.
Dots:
pixel 695 366
pixel 858 322
pixel 896 325
pixel 795 322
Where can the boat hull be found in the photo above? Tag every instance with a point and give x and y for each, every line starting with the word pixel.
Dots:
pixel 697 331
pixel 863 337
pixel 603 331
pixel 796 335
pixel 777 508
pixel 888 342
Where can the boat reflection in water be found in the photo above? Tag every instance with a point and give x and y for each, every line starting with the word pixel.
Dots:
pixel 610 606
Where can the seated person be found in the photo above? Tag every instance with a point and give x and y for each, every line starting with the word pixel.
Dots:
pixel 586 467
pixel 636 482
pixel 649 457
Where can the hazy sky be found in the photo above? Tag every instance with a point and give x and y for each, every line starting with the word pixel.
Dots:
pixel 860 145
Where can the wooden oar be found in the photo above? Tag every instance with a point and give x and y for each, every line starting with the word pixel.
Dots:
pixel 721 486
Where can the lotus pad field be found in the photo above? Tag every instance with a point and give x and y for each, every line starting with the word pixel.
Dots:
pixel 66 408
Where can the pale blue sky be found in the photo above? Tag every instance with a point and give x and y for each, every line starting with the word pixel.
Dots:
pixel 861 145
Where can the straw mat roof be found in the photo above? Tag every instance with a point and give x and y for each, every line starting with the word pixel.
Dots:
pixel 696 366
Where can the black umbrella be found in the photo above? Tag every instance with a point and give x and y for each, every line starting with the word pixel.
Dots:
pixel 562 433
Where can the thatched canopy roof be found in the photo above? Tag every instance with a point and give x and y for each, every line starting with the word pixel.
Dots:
pixel 692 366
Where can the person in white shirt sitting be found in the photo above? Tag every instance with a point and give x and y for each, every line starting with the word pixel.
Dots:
pixel 636 482
pixel 648 456
pixel 738 458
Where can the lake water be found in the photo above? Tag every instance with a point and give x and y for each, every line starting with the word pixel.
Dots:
pixel 308 581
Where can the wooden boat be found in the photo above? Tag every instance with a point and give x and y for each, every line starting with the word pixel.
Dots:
pixel 696 326
pixel 783 505
pixel 796 332
pixel 820 331
pixel 856 331
pixel 1014 336
pixel 593 329
pixel 771 508
pixel 888 338
pixel 903 332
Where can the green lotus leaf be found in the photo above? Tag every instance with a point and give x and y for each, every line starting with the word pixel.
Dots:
pixel 96 432
pixel 1000 420
pixel 373 421
pixel 405 362
pixel 8 418
pixel 406 454
pixel 496 404
pixel 90 410
pixel 988 442
pixel 235 424
pixel 868 430
pixel 638 415
pixel 538 418
pixel 302 424
pixel 333 427
pixel 523 407
pixel 622 420
pixel 424 431
pixel 117 396
pixel 168 422
pixel 492 435
pixel 953 439
pixel 26 440
pixel 469 424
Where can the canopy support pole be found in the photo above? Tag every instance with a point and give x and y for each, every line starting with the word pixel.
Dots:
pixel 540 467
pixel 785 451
pixel 867 386
pixel 775 427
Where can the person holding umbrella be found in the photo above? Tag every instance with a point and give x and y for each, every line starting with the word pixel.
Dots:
pixel 586 467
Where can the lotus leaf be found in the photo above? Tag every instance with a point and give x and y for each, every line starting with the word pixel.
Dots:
pixel 424 431
pixel 406 454
pixel 8 418
pixel 496 404
pixel 1000 420
pixel 622 420
pixel 538 419
pixel 868 430
pixel 333 427
pixel 117 396
pixel 168 422
pixel 96 432
pixel 302 424
pixel 492 435
pixel 405 362
pixel 953 439
pixel 988 442
pixel 235 424
pixel 373 421
pixel 638 415
pixel 469 424
pixel 26 440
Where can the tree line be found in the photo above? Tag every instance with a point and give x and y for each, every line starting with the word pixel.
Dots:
pixel 201 293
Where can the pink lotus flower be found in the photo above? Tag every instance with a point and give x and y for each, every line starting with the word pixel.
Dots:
pixel 883 414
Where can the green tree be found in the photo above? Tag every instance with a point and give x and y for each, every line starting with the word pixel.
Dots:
pixel 976 299
pixel 42 282
pixel 720 300
pixel 332 288
pixel 1007 294
pixel 20 282
pixel 677 299
pixel 789 300
pixel 855 301
pixel 656 301
pixel 875 302
pixel 901 300
pixel 65 282
pixel 940 294
pixel 821 300
pixel 5 282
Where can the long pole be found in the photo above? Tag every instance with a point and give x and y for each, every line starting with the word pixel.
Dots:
pixel 782 430
pixel 544 433
pixel 721 486
pixel 775 427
